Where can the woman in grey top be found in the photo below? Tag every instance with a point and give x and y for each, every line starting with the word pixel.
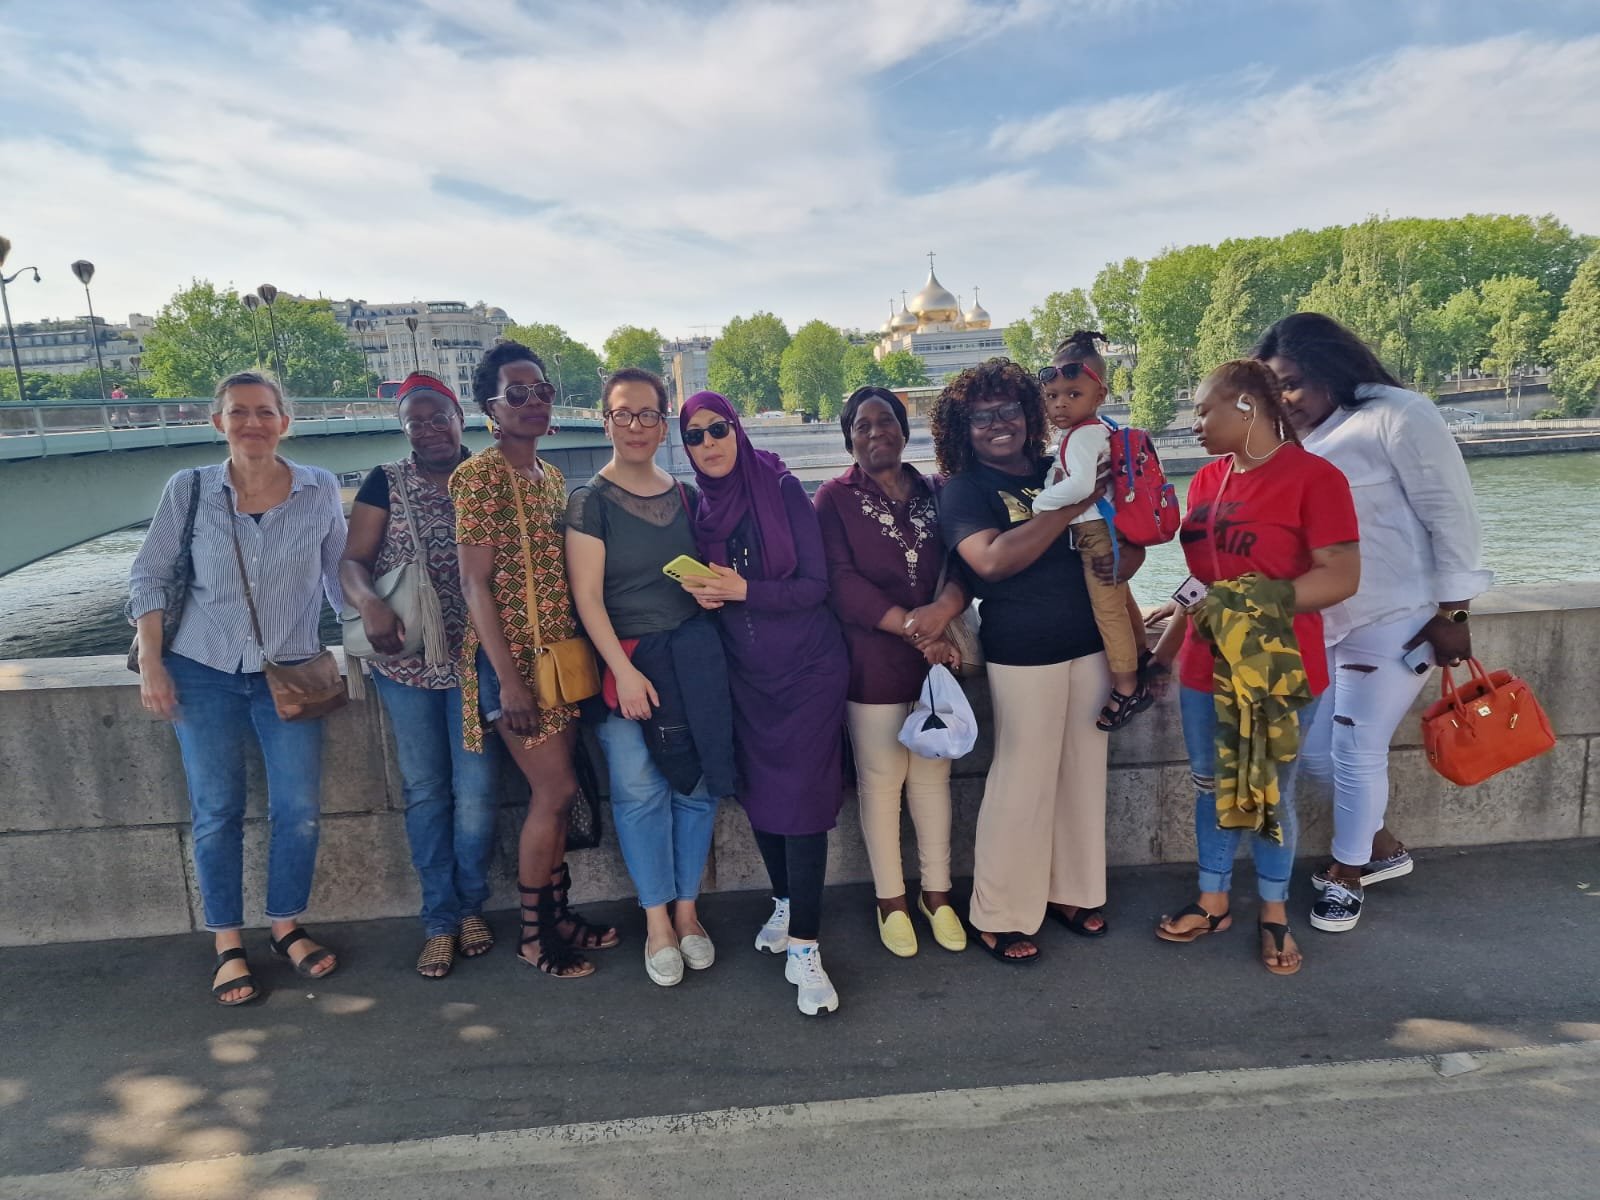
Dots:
pixel 289 525
pixel 668 765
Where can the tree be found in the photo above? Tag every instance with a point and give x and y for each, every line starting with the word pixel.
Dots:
pixel 1573 348
pixel 1239 311
pixel 1121 380
pixel 1162 373
pixel 1032 340
pixel 1115 294
pixel 744 361
pixel 860 369
pixel 630 346
pixel 1172 300
pixel 1519 308
pixel 903 369
pixel 811 370
pixel 316 350
pixel 573 367
pixel 1455 336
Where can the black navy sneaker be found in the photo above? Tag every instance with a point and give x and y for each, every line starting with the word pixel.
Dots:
pixel 1338 908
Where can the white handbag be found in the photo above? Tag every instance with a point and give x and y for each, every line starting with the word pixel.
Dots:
pixel 408 590
pixel 941 723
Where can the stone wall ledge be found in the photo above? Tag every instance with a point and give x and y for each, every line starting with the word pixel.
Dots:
pixel 95 798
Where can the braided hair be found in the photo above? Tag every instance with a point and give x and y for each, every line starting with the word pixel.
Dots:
pixel 1079 346
pixel 995 379
pixel 1250 377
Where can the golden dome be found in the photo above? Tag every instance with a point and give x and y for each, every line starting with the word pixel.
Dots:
pixel 976 317
pixel 903 321
pixel 935 303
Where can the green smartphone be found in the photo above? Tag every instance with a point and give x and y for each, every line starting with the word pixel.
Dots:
pixel 684 565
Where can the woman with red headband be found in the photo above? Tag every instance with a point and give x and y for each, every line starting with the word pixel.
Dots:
pixel 403 514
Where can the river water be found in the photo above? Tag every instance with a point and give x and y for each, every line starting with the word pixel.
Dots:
pixel 1539 516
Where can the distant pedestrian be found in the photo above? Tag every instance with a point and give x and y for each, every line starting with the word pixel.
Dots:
pixel 1271 534
pixel 1421 568
pixel 284 524
pixel 1041 838
pixel 880 529
pixel 403 514
pixel 757 531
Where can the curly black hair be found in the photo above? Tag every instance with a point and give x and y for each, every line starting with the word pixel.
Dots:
pixel 1079 346
pixel 996 379
pixel 486 378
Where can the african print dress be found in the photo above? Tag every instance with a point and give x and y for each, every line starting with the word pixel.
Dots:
pixel 484 489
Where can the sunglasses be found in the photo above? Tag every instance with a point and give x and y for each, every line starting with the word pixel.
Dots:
pixel 1007 412
pixel 439 421
pixel 1068 371
pixel 717 429
pixel 518 394
pixel 648 419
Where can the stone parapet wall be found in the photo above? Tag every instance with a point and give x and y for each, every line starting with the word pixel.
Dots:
pixel 94 840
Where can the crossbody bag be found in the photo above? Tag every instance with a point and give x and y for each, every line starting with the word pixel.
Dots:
pixel 564 672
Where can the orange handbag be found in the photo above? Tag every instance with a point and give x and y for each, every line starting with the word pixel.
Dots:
pixel 1488 724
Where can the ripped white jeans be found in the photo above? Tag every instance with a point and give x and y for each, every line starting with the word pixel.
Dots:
pixel 1369 693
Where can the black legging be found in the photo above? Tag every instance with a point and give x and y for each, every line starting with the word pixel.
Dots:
pixel 797 864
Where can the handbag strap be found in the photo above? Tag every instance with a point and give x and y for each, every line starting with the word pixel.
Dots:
pixel 1211 521
pixel 527 557
pixel 244 577
pixel 418 555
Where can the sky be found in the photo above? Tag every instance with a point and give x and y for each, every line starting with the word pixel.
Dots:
pixel 677 164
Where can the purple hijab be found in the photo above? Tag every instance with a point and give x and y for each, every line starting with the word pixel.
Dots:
pixel 751 487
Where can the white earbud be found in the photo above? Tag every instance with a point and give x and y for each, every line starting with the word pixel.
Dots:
pixel 1243 404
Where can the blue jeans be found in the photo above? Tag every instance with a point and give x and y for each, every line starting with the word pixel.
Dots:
pixel 1217 847
pixel 450 801
pixel 665 835
pixel 218 714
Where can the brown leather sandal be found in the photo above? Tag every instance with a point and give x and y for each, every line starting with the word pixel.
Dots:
pixel 437 951
pixel 475 936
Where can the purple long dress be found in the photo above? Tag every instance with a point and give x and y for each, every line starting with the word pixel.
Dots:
pixel 789 672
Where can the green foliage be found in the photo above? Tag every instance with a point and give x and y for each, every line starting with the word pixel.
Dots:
pixel 811 370
pixel 630 346
pixel 860 369
pixel 1455 336
pixel 1121 381
pixel 745 361
pixel 573 367
pixel 43 388
pixel 903 369
pixel 1161 374
pixel 1241 306
pixel 317 353
pixel 1520 310
pixel 1573 348
pixel 1115 295
pixel 1032 340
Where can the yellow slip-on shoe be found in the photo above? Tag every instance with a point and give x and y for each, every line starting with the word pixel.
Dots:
pixel 897 933
pixel 947 928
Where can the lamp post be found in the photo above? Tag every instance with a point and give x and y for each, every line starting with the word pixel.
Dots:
pixel 16 359
pixel 133 361
pixel 561 390
pixel 269 296
pixel 416 354
pixel 253 302
pixel 84 270
pixel 361 325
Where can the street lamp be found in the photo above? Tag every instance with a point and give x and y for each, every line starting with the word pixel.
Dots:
pixel 561 390
pixel 84 270
pixel 361 325
pixel 269 296
pixel 416 354
pixel 133 361
pixel 253 302
pixel 16 359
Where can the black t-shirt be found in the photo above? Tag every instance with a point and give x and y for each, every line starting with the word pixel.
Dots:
pixel 1041 614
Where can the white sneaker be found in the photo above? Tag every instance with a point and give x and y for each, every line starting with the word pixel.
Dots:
pixel 804 968
pixel 773 937
pixel 698 952
pixel 665 966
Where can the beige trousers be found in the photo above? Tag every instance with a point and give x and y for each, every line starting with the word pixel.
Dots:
pixel 1042 827
pixel 883 767
pixel 1109 600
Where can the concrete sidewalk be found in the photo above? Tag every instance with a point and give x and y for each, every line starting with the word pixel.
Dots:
pixel 114 1055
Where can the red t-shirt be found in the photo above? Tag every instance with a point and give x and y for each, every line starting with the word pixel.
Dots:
pixel 1269 520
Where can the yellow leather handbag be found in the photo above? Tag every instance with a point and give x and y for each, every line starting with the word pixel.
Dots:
pixel 565 672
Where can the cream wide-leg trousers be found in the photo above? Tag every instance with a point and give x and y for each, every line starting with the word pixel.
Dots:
pixel 1042 826
pixel 883 768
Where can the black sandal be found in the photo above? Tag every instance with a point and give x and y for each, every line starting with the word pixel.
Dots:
pixel 1277 931
pixel 1215 923
pixel 232 985
pixel 437 951
pixel 1078 922
pixel 1003 942
pixel 585 935
pixel 306 967
pixel 1127 708
pixel 556 957
pixel 475 936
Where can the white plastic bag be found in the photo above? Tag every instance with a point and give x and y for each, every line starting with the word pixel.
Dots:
pixel 941 723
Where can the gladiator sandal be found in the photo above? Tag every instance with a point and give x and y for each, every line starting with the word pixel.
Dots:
pixel 554 956
pixel 581 934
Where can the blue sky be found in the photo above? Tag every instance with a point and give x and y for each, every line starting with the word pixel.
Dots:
pixel 675 164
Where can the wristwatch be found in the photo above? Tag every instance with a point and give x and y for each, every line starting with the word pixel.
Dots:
pixel 1457 616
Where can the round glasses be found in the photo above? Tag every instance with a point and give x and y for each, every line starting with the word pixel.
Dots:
pixel 518 394
pixel 1007 412
pixel 439 421
pixel 717 429
pixel 624 417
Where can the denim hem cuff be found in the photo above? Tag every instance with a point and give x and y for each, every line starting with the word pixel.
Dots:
pixel 643 903
pixel 1214 881
pixel 272 916
pixel 239 928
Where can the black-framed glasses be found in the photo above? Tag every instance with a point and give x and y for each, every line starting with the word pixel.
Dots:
pixel 1069 370
pixel 440 421
pixel 985 417
pixel 648 419
pixel 717 429
pixel 518 394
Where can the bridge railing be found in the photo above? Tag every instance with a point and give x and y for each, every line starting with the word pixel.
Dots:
pixel 76 427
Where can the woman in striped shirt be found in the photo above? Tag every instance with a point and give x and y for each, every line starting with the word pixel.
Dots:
pixel 286 524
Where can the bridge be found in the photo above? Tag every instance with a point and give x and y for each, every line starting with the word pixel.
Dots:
pixel 71 472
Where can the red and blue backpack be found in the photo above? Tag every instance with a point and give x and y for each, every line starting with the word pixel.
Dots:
pixel 1144 506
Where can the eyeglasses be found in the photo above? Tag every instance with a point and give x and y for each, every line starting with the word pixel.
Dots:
pixel 1007 412
pixel 717 429
pixel 1068 371
pixel 440 421
pixel 518 394
pixel 648 419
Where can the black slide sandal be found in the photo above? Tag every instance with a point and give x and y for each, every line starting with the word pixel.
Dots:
pixel 1003 942
pixel 1078 922
pixel 306 967
pixel 232 985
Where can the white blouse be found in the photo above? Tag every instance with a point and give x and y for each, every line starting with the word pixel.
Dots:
pixel 1421 542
